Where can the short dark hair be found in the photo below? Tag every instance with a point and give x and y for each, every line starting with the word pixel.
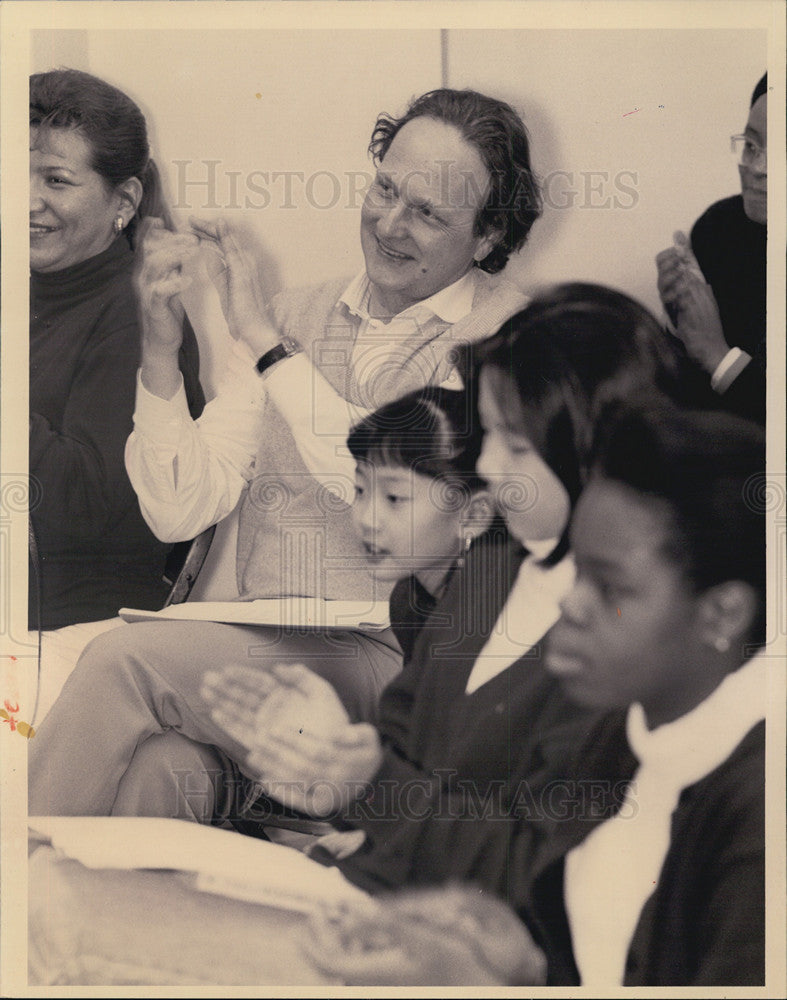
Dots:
pixel 111 123
pixel 499 135
pixel 433 431
pixel 571 351
pixel 708 469
pixel 759 90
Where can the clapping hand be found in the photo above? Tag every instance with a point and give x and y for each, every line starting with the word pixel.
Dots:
pixel 161 276
pixel 447 936
pixel 302 747
pixel 691 304
pixel 244 305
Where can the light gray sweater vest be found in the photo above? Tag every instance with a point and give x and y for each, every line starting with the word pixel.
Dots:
pixel 296 537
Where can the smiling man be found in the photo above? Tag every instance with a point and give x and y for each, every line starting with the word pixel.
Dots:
pixel 453 196
pixel 715 290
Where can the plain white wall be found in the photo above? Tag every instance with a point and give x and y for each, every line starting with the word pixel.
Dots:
pixel 578 91
pixel 630 129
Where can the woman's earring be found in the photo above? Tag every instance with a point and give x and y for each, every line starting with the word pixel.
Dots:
pixel 721 644
pixel 119 224
pixel 468 541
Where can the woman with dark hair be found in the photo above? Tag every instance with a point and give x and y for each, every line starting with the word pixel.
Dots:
pixel 441 753
pixel 655 876
pixel 714 286
pixel 92 182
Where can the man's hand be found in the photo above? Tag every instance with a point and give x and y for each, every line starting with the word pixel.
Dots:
pixel 675 265
pixel 699 325
pixel 448 936
pixel 244 305
pixel 690 304
pixel 301 745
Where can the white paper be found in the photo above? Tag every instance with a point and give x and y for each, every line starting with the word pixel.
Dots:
pixel 223 861
pixel 292 612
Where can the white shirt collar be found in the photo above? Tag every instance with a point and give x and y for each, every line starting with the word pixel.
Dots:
pixel 634 843
pixel 450 304
pixel 531 609
pixel 696 743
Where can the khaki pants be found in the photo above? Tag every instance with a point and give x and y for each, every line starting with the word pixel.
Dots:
pixel 129 732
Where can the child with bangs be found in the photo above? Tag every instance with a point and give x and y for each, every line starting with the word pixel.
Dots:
pixel 419 502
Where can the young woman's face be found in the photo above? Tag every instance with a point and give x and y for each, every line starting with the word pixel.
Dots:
pixel 629 627
pixel 531 498
pixel 408 523
pixel 72 209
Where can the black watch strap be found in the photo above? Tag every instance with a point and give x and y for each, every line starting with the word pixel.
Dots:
pixel 285 349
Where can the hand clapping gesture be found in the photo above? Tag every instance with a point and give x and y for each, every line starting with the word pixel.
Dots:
pixel 159 279
pixel 244 302
pixel 690 304
pixel 301 745
pixel 447 936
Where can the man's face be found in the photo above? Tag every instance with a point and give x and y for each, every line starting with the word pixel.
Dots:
pixel 754 169
pixel 418 219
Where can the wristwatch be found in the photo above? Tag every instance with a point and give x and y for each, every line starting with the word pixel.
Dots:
pixel 285 349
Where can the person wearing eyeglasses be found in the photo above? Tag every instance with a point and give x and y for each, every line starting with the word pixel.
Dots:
pixel 713 286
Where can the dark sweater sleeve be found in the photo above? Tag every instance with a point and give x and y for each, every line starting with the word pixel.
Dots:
pixel 432 827
pixel 730 926
pixel 188 362
pixel 82 486
pixel 731 253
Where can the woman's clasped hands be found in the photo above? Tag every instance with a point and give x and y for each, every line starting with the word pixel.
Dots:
pixel 300 744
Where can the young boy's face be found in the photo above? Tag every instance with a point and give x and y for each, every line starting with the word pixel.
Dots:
pixel 408 522
pixel 629 627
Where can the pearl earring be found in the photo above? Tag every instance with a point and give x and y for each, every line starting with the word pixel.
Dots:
pixel 119 225
pixel 721 644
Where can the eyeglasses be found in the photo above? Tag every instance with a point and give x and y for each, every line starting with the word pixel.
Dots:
pixel 746 149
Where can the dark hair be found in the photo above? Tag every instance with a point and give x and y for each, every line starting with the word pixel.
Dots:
pixel 497 132
pixel 113 125
pixel 433 431
pixel 708 468
pixel 573 349
pixel 759 90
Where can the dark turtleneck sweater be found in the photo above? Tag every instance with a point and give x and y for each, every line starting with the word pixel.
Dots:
pixel 96 552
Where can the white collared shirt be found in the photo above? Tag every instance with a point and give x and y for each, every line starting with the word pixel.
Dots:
pixel 611 874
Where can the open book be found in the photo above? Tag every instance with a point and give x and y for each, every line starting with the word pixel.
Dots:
pixel 289 612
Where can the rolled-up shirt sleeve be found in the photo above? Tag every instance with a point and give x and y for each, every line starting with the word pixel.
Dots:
pixel 189 474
